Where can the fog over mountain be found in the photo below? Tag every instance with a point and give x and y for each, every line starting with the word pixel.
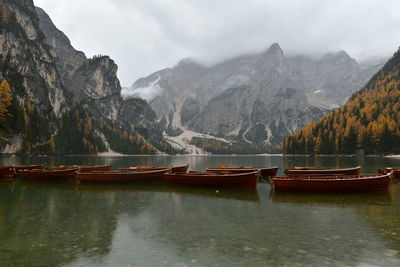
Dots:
pixel 254 100
pixel 147 35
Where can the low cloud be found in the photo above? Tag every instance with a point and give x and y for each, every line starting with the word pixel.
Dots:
pixel 147 93
pixel 147 35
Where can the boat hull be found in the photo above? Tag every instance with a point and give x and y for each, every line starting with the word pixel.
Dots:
pixel 19 168
pixel 172 169
pixel 183 168
pixel 49 174
pixel 95 168
pixel 87 168
pixel 395 172
pixel 269 172
pixel 7 172
pixel 214 179
pixel 332 184
pixel 121 176
pixel 265 171
pixel 323 171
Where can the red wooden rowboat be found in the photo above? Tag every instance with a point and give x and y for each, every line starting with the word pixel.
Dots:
pixel 173 169
pixel 121 176
pixel 28 167
pixel 395 171
pixel 56 174
pixel 7 171
pixel 265 171
pixel 86 168
pixel 215 179
pixel 322 171
pixel 377 182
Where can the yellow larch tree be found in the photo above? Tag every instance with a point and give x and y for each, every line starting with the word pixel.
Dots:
pixel 5 98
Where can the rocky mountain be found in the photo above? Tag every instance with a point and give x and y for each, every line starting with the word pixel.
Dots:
pixel 92 80
pixel 62 101
pixel 368 123
pixel 254 100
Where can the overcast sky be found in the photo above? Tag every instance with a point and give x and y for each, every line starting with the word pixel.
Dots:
pixel 144 36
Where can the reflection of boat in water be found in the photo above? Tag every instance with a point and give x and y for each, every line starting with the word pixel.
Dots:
pixel 244 194
pixel 322 171
pixel 6 183
pixel 49 184
pixel 363 198
pixel 248 194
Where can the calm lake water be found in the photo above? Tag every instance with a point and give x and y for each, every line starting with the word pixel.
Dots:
pixel 65 224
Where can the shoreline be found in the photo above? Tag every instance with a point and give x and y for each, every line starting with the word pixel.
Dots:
pixel 114 154
pixel 342 155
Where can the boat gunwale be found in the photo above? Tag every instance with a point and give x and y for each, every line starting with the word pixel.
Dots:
pixel 55 170
pixel 332 178
pixel 390 169
pixel 232 170
pixel 29 166
pixel 82 166
pixel 92 166
pixel 205 174
pixel 153 167
pixel 322 169
pixel 123 172
pixel 243 168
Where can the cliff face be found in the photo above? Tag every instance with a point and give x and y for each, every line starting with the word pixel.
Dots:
pixel 39 96
pixel 64 102
pixel 95 83
pixel 67 59
pixel 256 100
pixel 87 79
pixel 24 52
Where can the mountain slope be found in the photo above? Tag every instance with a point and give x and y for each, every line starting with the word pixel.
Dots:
pixel 367 123
pixel 253 100
pixel 61 101
pixel 39 97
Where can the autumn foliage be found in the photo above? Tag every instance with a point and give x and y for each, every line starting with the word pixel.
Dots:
pixel 5 99
pixel 368 122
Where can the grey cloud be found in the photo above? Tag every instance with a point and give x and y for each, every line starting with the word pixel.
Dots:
pixel 147 35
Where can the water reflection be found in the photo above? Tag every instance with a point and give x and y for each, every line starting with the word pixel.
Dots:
pixel 178 229
pixel 248 194
pixel 385 221
pixel 48 226
pixel 55 224
pixel 338 199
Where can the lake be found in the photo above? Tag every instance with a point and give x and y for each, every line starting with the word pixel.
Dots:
pixel 68 224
